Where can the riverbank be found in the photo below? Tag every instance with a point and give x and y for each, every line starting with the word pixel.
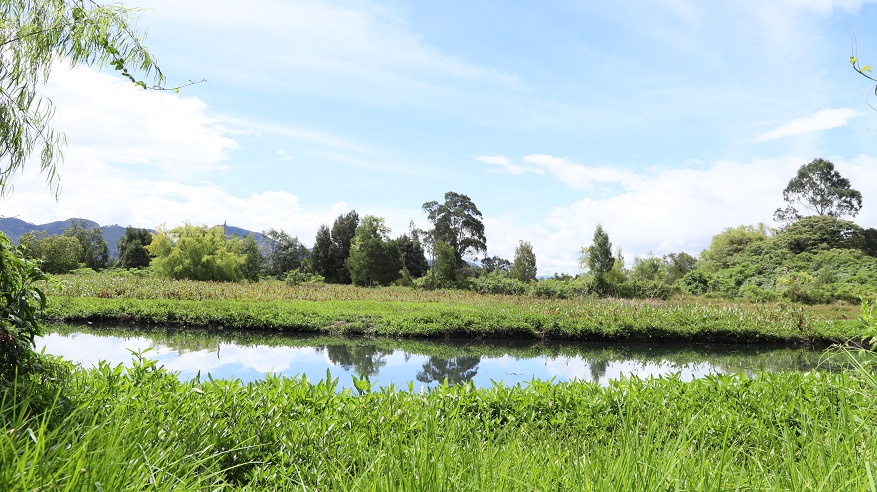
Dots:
pixel 405 312
pixel 146 429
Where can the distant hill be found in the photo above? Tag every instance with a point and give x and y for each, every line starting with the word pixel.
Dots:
pixel 14 228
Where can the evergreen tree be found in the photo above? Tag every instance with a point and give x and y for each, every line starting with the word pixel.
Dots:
pixel 132 248
pixel 524 266
pixel 597 257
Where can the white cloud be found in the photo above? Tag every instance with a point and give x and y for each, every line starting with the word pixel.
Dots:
pixel 284 155
pixel 110 119
pixel 504 165
pixel 579 176
pixel 821 120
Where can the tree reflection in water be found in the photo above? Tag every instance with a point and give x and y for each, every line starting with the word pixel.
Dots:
pixel 456 369
pixel 365 360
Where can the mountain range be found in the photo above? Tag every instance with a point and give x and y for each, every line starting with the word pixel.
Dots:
pixel 14 228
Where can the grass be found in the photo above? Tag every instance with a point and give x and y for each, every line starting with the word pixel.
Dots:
pixel 145 429
pixel 407 312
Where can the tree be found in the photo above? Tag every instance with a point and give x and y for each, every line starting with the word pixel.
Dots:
pixel 597 258
pixel 820 189
pixel 678 264
pixel 132 248
pixel 197 253
pixel 524 266
pixel 413 255
pixel 494 263
pixel 374 259
pixel 35 33
pixel 322 254
pixel 94 253
pixel 252 264
pixel 821 232
pixel 457 222
pixel 283 253
pixel 343 231
pixel 56 254
pixel 728 244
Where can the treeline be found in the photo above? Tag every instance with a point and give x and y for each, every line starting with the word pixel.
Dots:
pixel 812 258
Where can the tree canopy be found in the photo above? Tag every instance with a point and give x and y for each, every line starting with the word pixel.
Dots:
pixel 523 267
pixel 374 259
pixel 457 222
pixel 597 257
pixel 818 188
pixel 132 248
pixel 197 253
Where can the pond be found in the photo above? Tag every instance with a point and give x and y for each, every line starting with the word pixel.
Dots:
pixel 250 356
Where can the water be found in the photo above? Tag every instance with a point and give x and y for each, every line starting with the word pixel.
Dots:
pixel 250 356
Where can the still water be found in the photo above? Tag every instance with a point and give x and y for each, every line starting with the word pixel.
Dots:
pixel 250 356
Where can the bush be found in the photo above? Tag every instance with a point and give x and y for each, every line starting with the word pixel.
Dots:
pixel 21 305
pixel 297 276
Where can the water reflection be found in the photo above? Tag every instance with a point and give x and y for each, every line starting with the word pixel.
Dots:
pixel 249 356
pixel 455 370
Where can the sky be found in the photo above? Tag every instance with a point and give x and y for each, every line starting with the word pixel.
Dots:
pixel 665 121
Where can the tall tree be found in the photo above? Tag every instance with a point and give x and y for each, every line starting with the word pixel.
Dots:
pixel 343 231
pixel 33 35
pixel 524 265
pixel 413 255
pixel 597 257
pixel 323 254
pixel 457 222
pixel 817 187
pixel 374 259
pixel 132 248
pixel 252 264
pixel 95 254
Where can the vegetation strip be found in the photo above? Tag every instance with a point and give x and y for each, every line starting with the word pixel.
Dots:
pixel 144 427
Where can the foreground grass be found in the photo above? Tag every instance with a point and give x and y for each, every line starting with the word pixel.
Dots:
pixel 407 312
pixel 144 429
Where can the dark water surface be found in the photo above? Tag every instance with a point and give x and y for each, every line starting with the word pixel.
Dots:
pixel 250 356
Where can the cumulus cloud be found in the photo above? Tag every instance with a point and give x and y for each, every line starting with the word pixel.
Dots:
pixel 109 119
pixel 821 120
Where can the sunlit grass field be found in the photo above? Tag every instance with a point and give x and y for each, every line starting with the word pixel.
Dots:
pixel 400 311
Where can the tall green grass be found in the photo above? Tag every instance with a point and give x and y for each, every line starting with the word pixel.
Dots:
pixel 406 312
pixel 145 429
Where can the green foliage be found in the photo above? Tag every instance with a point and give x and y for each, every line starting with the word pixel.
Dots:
pixel 444 265
pixel 56 254
pixel 94 252
pixel 678 265
pixel 731 242
pixel 21 305
pixel 33 35
pixel 343 231
pixel 322 255
pixel 494 263
pixel 283 253
pixel 252 264
pixel 791 431
pixel 197 253
pixel 374 259
pixel 648 269
pixel 818 188
pixel 523 268
pixel 397 311
pixel 413 256
pixel 299 276
pixel 820 232
pixel 597 258
pixel 132 248
pixel 457 222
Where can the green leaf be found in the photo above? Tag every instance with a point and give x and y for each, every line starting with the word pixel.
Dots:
pixel 853 60
pixel 866 68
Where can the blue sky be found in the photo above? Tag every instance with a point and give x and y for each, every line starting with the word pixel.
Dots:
pixel 665 121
